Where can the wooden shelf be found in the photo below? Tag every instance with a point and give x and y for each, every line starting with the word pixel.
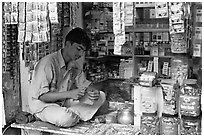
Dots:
pixel 131 29
pixel 109 56
pixel 117 79
pixel 99 81
pixel 103 80
pixel 146 30
pixel 105 31
pixel 149 56
pixel 144 5
pixel 120 56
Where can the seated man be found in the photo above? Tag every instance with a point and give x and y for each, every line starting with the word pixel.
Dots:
pixel 60 94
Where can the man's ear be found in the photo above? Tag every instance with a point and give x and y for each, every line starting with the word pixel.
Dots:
pixel 67 43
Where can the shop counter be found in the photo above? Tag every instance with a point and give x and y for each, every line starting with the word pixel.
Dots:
pixel 83 128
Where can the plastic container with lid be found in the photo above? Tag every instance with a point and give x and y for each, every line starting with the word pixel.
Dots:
pixel 149 124
pixel 190 98
pixel 169 125
pixel 149 100
pixel 170 91
pixel 190 125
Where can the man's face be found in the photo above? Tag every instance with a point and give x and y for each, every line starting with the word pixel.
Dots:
pixel 76 51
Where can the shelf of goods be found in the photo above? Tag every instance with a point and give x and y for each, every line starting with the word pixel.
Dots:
pixel 159 107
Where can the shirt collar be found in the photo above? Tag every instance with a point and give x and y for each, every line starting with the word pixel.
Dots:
pixel 61 60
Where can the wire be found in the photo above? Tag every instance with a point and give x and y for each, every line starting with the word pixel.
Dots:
pixel 5 129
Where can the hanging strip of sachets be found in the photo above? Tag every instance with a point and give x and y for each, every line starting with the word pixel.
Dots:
pixel 52 6
pixel 33 21
pixel 22 23
pixel 177 27
pixel 73 13
pixel 11 12
pixel 37 24
pixel 57 28
pixel 118 26
pixel 9 39
pixel 128 13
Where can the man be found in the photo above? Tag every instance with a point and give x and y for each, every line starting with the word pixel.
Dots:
pixel 60 94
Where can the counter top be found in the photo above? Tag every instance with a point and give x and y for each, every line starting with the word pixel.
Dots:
pixel 83 128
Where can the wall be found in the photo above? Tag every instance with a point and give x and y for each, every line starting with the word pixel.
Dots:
pixel 24 75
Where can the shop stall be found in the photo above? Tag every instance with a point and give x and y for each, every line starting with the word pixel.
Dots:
pixel 145 56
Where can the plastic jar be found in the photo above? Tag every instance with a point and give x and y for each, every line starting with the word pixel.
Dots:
pixel 190 98
pixel 190 125
pixel 170 96
pixel 149 124
pixel 169 125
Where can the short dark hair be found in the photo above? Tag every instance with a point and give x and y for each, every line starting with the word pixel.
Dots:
pixel 79 35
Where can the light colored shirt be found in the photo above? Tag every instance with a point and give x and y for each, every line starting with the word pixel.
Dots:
pixel 51 73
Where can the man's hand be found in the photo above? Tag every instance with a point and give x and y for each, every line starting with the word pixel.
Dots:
pixel 76 93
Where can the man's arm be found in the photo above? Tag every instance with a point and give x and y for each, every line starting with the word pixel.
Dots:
pixel 58 96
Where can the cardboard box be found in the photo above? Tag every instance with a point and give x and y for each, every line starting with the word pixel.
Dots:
pixel 198 32
pixel 154 36
pixel 154 50
pixel 146 13
pixel 197 50
pixel 165 36
pixel 199 15
pixel 159 37
pixel 146 36
pixel 152 13
pixel 127 37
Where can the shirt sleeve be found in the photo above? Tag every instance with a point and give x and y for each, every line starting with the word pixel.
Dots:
pixel 44 78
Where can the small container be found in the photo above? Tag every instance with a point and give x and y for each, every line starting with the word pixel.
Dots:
pixel 111 117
